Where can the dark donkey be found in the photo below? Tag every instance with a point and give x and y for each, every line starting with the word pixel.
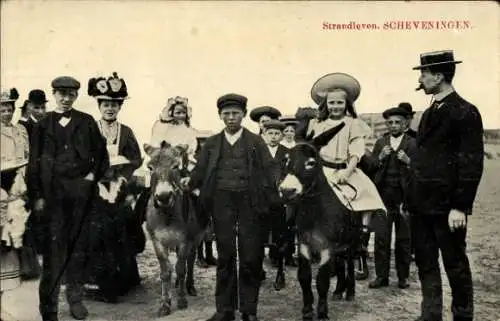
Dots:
pixel 172 222
pixel 326 230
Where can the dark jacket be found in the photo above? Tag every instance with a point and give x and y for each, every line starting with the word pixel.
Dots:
pixel 87 141
pixel 278 164
pixel 448 164
pixel 408 145
pixel 261 190
pixel 129 147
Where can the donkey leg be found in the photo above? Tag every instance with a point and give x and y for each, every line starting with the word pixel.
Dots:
pixel 304 275
pixel 201 259
pixel 180 269
pixel 165 277
pixel 341 278
pixel 322 286
pixel 351 279
pixel 190 288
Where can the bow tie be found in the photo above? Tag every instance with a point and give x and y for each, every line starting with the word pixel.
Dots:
pixel 66 114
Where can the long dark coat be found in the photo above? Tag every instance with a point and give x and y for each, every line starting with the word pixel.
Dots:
pixel 87 140
pixel 448 164
pixel 261 190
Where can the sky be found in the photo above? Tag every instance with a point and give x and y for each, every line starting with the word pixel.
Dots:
pixel 271 52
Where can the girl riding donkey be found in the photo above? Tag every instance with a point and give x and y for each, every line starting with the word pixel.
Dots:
pixel 335 94
pixel 116 234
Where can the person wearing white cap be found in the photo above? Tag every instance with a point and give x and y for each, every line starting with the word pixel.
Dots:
pixel 114 227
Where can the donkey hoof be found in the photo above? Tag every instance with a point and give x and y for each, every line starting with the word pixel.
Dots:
pixel 164 310
pixel 279 283
pixel 182 303
pixel 337 296
pixel 322 313
pixel 191 291
pixel 308 316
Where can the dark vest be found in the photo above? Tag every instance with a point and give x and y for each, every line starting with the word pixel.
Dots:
pixel 392 176
pixel 232 168
pixel 67 162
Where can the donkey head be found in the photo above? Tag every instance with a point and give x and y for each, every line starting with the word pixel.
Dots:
pixel 304 164
pixel 166 166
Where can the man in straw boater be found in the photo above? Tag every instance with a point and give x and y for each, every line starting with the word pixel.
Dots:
pixel 233 176
pixel 392 154
pixel 447 167
pixel 70 157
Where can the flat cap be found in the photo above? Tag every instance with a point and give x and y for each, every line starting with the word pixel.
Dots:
pixel 274 124
pixel 232 100
pixel 258 112
pixel 395 111
pixel 65 82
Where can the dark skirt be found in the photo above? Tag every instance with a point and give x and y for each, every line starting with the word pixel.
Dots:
pixel 113 237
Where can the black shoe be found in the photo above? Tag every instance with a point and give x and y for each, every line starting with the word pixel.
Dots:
pixel 211 261
pixel 262 275
pixel 248 317
pixel 50 317
pixel 379 283
pixel 78 311
pixel 403 284
pixel 421 318
pixel 222 316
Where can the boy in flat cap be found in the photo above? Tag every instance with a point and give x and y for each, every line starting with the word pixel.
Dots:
pixel 232 174
pixel 275 220
pixel 447 166
pixel 392 156
pixel 69 157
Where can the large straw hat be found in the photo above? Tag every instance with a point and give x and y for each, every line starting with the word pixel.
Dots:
pixel 334 81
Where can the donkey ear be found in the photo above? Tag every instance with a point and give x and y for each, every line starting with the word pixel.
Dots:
pixel 164 144
pixel 324 138
pixel 149 149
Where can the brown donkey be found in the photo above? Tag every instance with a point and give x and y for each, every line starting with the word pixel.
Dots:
pixel 172 222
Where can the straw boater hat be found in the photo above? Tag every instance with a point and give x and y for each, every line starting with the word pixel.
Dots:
pixel 258 112
pixel 112 88
pixel 333 81
pixel 436 58
pixel 289 120
pixel 9 96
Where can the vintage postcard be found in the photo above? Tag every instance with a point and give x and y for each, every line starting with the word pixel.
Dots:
pixel 250 160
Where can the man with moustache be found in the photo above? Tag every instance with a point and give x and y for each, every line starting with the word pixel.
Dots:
pixel 69 156
pixel 233 176
pixel 392 155
pixel 447 169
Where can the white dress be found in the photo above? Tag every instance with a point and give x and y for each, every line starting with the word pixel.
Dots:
pixel 347 143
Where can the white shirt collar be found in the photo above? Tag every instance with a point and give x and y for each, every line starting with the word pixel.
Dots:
pixel 442 95
pixel 233 138
pixel 395 141
pixel 33 119
pixel 273 150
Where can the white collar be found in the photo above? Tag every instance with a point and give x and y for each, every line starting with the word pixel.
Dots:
pixel 33 119
pixel 237 134
pixel 233 138
pixel 396 141
pixel 442 95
